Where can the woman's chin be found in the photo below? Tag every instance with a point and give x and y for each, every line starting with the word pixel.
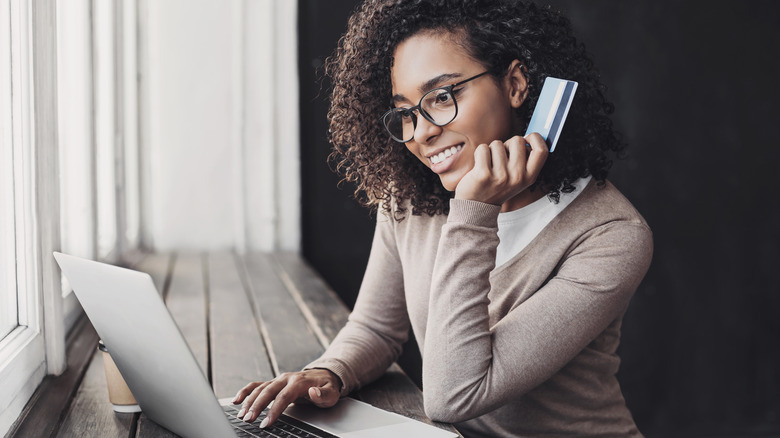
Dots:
pixel 449 183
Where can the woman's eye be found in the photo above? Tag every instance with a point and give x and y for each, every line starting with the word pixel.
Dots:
pixel 406 114
pixel 443 97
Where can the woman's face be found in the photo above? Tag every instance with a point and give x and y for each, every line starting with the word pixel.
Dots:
pixel 485 106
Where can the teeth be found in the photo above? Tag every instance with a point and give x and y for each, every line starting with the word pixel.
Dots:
pixel 445 154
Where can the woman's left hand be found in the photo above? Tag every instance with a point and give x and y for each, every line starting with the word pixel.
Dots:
pixel 503 169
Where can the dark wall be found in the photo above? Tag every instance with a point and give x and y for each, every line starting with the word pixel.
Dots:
pixel 695 85
pixel 336 230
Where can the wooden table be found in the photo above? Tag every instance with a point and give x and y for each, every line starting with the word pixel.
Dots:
pixel 245 317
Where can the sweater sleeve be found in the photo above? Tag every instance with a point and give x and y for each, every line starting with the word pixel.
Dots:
pixel 378 325
pixel 469 367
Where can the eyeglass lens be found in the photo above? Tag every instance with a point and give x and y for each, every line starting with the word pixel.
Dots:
pixel 437 106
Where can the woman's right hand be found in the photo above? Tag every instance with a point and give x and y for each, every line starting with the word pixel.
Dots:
pixel 318 386
pixel 503 169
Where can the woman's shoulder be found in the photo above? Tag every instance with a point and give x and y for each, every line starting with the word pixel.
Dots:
pixel 603 220
pixel 601 215
pixel 603 202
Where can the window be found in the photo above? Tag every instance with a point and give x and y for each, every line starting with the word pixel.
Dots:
pixel 22 346
pixel 78 162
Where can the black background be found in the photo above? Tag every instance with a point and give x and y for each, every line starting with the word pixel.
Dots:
pixel 695 85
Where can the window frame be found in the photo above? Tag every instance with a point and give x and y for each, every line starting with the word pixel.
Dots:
pixel 26 355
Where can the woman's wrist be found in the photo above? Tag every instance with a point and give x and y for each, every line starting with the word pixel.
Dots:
pixel 335 379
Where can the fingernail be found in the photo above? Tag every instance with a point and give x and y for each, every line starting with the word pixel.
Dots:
pixel 241 412
pixel 264 423
pixel 317 390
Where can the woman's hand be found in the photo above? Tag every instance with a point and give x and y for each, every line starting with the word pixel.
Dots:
pixel 503 169
pixel 318 386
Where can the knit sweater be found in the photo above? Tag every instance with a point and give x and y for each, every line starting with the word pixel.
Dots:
pixel 525 349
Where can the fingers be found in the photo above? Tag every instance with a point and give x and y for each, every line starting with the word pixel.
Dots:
pixel 259 399
pixel 283 399
pixel 516 147
pixel 538 155
pixel 498 169
pixel 246 390
pixel 324 396
pixel 320 386
pixel 482 159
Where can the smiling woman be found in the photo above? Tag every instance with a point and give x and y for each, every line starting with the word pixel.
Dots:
pixel 427 60
pixel 512 266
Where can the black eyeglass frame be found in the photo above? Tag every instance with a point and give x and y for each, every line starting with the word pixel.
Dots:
pixel 419 110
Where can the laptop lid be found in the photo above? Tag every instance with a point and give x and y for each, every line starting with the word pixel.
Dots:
pixel 147 346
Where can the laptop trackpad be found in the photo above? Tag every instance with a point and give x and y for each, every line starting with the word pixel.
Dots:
pixel 349 415
pixel 407 430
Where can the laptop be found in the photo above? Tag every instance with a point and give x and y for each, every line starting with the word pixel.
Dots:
pixel 132 320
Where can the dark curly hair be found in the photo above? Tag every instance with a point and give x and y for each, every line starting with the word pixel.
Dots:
pixel 494 32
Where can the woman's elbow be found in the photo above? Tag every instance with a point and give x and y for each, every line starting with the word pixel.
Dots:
pixel 443 409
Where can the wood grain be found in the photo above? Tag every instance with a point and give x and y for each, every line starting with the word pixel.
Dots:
pixel 238 354
pixel 41 416
pixel 91 414
pixel 320 303
pixel 186 301
pixel 288 335
pixel 149 429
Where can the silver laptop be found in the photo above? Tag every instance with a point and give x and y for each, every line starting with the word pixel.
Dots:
pixel 153 357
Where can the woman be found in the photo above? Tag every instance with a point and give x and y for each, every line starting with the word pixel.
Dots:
pixel 513 266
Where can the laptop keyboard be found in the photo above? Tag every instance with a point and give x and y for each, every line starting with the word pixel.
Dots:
pixel 284 427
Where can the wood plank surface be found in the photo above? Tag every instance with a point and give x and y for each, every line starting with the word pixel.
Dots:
pixel 238 354
pixel 187 303
pixel 321 305
pixel 147 428
pixel 42 415
pixel 287 333
pixel 91 414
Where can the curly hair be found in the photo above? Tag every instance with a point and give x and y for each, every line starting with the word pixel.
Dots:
pixel 494 32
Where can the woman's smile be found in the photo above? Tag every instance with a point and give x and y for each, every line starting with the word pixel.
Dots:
pixel 441 160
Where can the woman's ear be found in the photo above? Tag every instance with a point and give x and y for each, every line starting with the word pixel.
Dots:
pixel 517 83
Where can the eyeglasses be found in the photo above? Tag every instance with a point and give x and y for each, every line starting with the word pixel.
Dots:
pixel 437 106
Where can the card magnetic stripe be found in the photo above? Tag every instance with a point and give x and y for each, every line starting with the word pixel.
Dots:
pixel 543 107
pixel 563 105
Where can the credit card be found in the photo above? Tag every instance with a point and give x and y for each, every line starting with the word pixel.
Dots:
pixel 551 109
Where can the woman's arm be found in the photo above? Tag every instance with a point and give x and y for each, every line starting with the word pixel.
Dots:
pixel 379 323
pixel 470 368
pixel 362 351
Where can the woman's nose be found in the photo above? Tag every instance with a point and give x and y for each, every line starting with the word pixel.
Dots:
pixel 425 131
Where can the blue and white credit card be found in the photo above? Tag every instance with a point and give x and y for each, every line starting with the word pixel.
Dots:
pixel 551 109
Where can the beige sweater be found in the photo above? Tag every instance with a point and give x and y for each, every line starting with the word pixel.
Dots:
pixel 526 349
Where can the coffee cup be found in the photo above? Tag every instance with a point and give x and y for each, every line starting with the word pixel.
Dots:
pixel 118 392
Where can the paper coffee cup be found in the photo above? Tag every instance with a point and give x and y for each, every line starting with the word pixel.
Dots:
pixel 118 393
